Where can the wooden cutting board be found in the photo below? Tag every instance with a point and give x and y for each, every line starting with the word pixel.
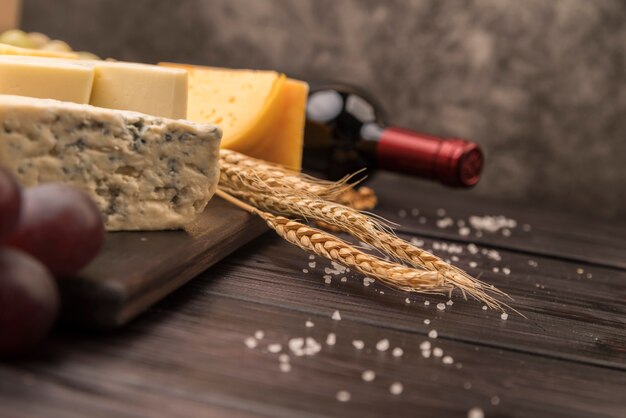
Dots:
pixel 137 269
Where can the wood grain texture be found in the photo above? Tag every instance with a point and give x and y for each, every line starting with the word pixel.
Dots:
pixel 137 269
pixel 186 355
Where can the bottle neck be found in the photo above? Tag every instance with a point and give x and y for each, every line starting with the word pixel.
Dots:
pixel 453 162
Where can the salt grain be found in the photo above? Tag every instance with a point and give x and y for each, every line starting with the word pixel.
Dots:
pixel 495 270
pixel 309 324
pixel 259 335
pixel 382 345
pixel 358 344
pixel 467 385
pixel 283 358
pixel 580 271
pixel 472 248
pixel 407 300
pixel 484 307
pixel 344 279
pixel 447 360
pixel 492 223
pixel 426 303
pixel 305 271
pixel 450 302
pixel 396 388
pixel 506 270
pixel 475 413
pixel 526 228
pixel 415 212
pixel 422 220
pixel 426 321
pixel 331 339
pixel 504 316
pixel 343 396
pixel 285 367
pixel 506 232
pixel 312 264
pixel 417 242
pixel 311 257
pixel 589 275
pixel 336 316
pixel 441 212
pixel 495 400
pixel 437 352
pixel 328 280
pixel 444 223
pixel 473 264
pixel 532 263
pixel 397 352
pixel 250 342
pixel 368 375
pixel 441 306
pixel 274 348
pixel 432 334
pixel 402 213
pixel 426 353
pixel 464 231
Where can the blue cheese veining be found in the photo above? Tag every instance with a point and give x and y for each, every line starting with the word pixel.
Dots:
pixel 144 172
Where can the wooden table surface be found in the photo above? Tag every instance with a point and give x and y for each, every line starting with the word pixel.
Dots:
pixel 187 357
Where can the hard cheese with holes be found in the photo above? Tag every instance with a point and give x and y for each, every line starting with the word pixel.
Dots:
pixel 144 172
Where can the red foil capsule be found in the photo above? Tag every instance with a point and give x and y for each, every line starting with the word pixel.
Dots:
pixel 453 162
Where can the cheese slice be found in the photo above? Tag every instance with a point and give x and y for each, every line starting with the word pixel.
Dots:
pixel 144 172
pixel 261 112
pixel 141 88
pixel 6 49
pixel 45 78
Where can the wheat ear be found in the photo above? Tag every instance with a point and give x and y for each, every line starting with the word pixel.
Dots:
pixel 396 275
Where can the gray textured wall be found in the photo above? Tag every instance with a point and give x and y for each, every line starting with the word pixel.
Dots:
pixel 541 84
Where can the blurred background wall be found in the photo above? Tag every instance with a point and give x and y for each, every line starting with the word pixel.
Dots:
pixel 541 85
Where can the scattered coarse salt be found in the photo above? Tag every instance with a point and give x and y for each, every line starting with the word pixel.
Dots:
pixel 311 346
pixel 492 223
pixel 472 248
pixel 283 358
pixel 311 257
pixel 447 360
pixel 336 316
pixel 382 345
pixel 494 255
pixel 396 388
pixel 437 352
pixel 426 303
pixel 426 321
pixel 328 270
pixel 305 271
pixel 274 348
pixel 402 213
pixel 445 222
pixel 473 264
pixel 368 375
pixel 467 385
pixel 295 345
pixel 250 342
pixel 426 353
pixel 344 279
pixel 532 263
pixel 506 270
pixel 328 280
pixel 441 212
pixel 455 258
pixel 526 228
pixel 343 396
pixel 441 306
pixel 309 324
pixel 504 316
pixel 475 413
pixel 495 401
pixel 495 270
pixel 259 334
pixel 589 275
pixel 407 300
pixel 143 239
pixel 421 220
pixel 484 307
pixel 506 232
pixel 397 352
pixel 358 344
pixel 425 345
pixel 580 271
pixel 417 242
pixel 415 212
pixel 382 292
pixel 331 339
pixel 464 231
pixel 285 367
pixel 312 264
pixel 432 333
pixel 450 302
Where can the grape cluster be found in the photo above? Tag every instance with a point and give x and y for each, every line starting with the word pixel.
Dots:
pixel 46 232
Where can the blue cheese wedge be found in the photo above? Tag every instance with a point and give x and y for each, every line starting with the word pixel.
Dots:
pixel 144 172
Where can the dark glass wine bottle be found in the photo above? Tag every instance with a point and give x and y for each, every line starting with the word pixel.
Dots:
pixel 347 131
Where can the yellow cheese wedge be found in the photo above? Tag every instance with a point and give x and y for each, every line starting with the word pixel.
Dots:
pixel 14 50
pixel 45 80
pixel 261 113
pixel 141 88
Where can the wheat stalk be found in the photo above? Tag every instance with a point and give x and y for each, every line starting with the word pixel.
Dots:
pixel 402 277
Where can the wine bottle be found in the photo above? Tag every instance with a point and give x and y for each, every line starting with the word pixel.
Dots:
pixel 347 131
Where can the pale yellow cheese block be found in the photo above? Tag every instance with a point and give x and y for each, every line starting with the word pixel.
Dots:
pixel 36 77
pixel 141 88
pixel 14 50
pixel 260 112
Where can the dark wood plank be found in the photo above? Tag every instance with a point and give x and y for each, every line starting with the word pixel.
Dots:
pixel 551 234
pixel 570 316
pixel 187 358
pixel 137 269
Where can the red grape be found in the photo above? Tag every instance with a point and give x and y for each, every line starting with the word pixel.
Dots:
pixel 10 199
pixel 29 302
pixel 60 226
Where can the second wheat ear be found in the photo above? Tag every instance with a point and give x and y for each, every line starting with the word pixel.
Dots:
pixel 271 191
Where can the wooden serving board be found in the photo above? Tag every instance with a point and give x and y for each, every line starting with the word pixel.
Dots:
pixel 137 269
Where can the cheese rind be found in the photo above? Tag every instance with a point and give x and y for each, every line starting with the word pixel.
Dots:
pixel 143 172
pixel 45 78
